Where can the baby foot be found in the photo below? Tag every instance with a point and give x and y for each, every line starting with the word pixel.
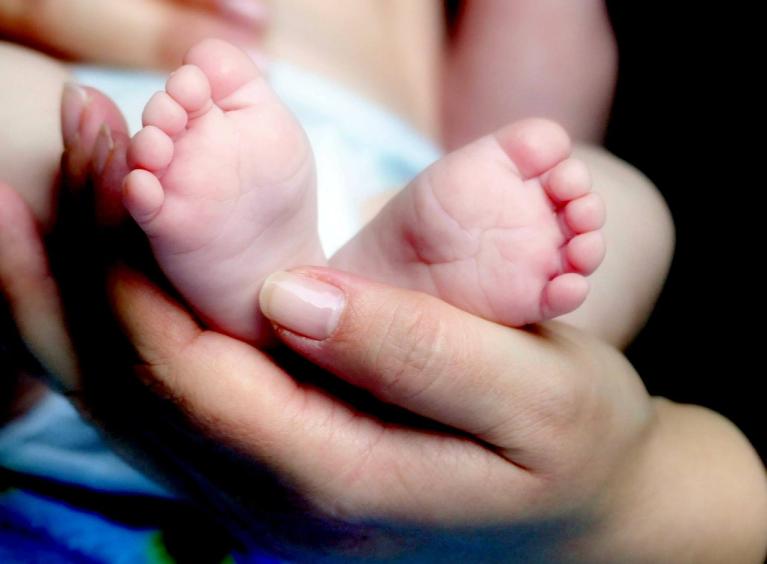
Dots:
pixel 506 228
pixel 224 186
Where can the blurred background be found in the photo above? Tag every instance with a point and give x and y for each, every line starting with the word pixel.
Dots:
pixel 685 114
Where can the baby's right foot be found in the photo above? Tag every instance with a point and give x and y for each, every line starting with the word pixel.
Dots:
pixel 506 228
pixel 224 186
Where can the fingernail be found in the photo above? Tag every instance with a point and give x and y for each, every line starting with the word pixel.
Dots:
pixel 73 101
pixel 303 305
pixel 248 12
pixel 102 149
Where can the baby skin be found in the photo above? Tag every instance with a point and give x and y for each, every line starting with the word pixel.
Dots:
pixel 223 184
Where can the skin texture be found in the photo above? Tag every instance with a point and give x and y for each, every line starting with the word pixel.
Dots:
pixel 499 423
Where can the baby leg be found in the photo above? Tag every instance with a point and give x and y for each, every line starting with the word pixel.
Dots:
pixel 30 133
pixel 512 59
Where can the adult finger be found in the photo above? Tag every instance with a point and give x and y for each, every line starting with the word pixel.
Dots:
pixel 25 279
pixel 515 389
pixel 86 116
pixel 346 461
pixel 30 291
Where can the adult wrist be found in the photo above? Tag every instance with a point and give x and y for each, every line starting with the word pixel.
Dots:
pixel 694 491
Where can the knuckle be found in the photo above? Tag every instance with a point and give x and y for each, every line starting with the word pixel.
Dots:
pixel 411 351
pixel 569 417
pixel 557 407
pixel 565 399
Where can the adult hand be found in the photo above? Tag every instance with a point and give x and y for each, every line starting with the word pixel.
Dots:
pixel 470 441
pixel 526 445
pixel 139 33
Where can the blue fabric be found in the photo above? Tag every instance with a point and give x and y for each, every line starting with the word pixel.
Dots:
pixel 33 528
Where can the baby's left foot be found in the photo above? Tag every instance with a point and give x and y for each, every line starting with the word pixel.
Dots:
pixel 224 187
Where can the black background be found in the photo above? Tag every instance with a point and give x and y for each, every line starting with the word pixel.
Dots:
pixel 688 112
pixel 686 115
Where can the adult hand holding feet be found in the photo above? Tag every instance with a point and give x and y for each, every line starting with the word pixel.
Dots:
pixel 523 445
pixel 520 445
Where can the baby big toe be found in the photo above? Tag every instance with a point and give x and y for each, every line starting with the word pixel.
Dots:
pixel 165 113
pixel 190 88
pixel 585 252
pixel 226 67
pixel 534 145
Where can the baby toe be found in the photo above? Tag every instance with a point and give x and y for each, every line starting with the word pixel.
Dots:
pixel 190 88
pixel 585 214
pixel 142 196
pixel 567 181
pixel 226 67
pixel 165 113
pixel 563 294
pixel 150 149
pixel 585 252
pixel 534 145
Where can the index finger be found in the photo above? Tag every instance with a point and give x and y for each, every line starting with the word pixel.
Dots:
pixel 31 293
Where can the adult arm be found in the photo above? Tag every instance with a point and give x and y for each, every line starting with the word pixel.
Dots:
pixel 138 33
